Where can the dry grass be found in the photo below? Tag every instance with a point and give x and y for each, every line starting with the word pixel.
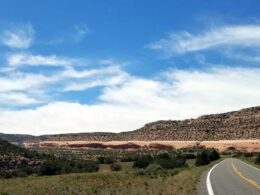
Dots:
pixel 250 160
pixel 104 182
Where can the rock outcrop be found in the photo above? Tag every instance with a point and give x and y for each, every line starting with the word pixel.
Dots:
pixel 243 124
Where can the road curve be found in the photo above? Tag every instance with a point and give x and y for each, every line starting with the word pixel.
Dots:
pixel 233 177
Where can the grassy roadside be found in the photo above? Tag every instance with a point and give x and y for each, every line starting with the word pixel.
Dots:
pixel 179 181
pixel 249 160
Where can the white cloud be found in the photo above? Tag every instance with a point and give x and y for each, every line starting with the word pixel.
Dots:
pixel 243 56
pixel 106 76
pixel 184 42
pixel 136 101
pixel 16 98
pixel 22 82
pixel 21 89
pixel 20 37
pixel 81 30
pixel 27 59
pixel 41 86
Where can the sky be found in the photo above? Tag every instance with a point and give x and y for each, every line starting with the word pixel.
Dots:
pixel 114 65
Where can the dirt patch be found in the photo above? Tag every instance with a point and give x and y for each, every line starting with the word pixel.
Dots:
pixel 241 145
pixel 222 145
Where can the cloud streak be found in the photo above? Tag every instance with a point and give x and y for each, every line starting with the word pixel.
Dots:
pixel 81 30
pixel 185 42
pixel 27 59
pixel 39 87
pixel 20 37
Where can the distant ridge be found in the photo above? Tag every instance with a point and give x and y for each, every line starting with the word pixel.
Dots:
pixel 21 138
pixel 242 124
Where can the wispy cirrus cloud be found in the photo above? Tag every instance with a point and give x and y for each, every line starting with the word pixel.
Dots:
pixel 74 34
pixel 14 99
pixel 233 36
pixel 39 87
pixel 20 37
pixel 80 31
pixel 19 81
pixel 106 76
pixel 28 59
pixel 248 56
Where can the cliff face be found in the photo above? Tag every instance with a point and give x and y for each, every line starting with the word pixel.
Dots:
pixel 243 124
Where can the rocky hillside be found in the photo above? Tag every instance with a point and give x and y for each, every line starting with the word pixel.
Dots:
pixel 21 138
pixel 15 160
pixel 242 124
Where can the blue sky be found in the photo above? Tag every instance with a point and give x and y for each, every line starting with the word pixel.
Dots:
pixel 87 66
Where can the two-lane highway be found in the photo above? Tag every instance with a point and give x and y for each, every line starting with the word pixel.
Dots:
pixel 233 177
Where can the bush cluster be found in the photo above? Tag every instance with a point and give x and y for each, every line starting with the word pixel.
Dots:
pixel 205 156
pixel 57 166
pixel 105 159
pixel 152 169
pixel 143 161
pixel 51 167
pixel 163 160
pixel 257 159
pixel 115 167
pixel 20 162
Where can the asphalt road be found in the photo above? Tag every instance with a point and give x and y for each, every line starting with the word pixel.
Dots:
pixel 233 177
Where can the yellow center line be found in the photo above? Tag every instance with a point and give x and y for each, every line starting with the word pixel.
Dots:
pixel 251 181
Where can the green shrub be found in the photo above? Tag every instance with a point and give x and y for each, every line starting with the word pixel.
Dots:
pixel 101 159
pixel 179 161
pixel 163 156
pixel 115 167
pixel 248 154
pixel 109 160
pixel 129 158
pixel 153 169
pixel 4 193
pixel 257 159
pixel 51 167
pixel 105 160
pixel 60 166
pixel 28 170
pixel 85 166
pixel 213 154
pixel 141 172
pixel 190 156
pixel 6 174
pixel 143 161
pixel 21 173
pixel 202 158
pixel 165 163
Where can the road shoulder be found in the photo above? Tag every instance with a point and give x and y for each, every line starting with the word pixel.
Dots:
pixel 201 187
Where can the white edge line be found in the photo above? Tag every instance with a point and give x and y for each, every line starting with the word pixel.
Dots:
pixel 249 165
pixel 209 186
